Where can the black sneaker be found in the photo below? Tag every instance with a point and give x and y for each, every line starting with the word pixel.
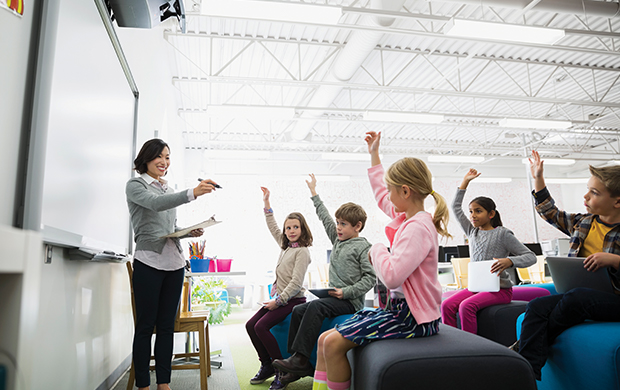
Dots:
pixel 264 372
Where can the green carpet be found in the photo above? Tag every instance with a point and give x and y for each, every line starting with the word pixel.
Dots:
pixel 244 356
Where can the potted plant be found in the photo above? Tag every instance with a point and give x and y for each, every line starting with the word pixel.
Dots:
pixel 208 294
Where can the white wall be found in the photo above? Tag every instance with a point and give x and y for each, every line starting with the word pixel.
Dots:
pixel 85 326
pixel 15 41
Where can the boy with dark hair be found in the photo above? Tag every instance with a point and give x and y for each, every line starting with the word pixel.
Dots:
pixel 595 236
pixel 350 272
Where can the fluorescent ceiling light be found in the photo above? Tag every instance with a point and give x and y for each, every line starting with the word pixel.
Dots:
pixel 251 112
pixel 346 156
pixel 567 181
pixel 552 161
pixel 456 159
pixel 493 180
pixel 534 123
pixel 330 178
pixel 238 154
pixel 272 11
pixel 407 117
pixel 503 31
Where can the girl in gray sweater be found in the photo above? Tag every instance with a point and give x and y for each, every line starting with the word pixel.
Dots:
pixel 488 239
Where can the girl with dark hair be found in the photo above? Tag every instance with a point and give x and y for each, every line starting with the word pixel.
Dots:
pixel 287 291
pixel 488 239
pixel 158 262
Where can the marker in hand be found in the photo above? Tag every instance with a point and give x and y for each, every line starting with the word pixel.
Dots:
pixel 214 185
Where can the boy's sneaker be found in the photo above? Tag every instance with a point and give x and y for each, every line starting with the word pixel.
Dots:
pixel 277 384
pixel 264 372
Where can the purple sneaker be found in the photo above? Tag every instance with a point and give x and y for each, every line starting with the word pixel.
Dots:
pixel 264 372
pixel 277 384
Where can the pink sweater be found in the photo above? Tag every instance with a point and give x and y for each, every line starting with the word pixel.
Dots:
pixel 412 263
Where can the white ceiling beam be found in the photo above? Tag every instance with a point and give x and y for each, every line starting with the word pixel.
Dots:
pixel 414 147
pixel 398 15
pixel 191 34
pixel 441 36
pixel 354 114
pixel 367 87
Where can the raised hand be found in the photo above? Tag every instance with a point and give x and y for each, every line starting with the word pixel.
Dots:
pixel 536 168
pixel 266 194
pixel 373 139
pixel 536 165
pixel 312 184
pixel 471 175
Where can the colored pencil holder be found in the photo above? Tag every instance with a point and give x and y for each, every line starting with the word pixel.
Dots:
pixel 199 265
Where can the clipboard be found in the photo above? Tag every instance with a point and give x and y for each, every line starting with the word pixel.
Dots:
pixel 205 224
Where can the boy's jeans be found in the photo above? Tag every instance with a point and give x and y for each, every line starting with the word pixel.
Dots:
pixel 547 317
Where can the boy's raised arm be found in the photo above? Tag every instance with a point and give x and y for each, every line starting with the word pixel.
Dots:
pixel 321 211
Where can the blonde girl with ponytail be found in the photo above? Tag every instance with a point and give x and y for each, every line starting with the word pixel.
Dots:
pixel 408 269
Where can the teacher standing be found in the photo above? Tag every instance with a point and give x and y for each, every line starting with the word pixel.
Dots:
pixel 158 262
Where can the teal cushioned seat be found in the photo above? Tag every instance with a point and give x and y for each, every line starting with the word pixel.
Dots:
pixel 280 332
pixel 585 356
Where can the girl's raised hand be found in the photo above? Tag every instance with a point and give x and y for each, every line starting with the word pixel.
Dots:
pixel 536 165
pixel 373 139
pixel 471 175
pixel 266 194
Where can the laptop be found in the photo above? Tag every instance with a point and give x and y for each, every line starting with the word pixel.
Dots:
pixel 568 273
pixel 480 278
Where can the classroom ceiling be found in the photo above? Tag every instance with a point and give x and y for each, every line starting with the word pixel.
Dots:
pixel 308 91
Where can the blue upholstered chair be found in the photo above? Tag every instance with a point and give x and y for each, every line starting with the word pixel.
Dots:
pixel 586 356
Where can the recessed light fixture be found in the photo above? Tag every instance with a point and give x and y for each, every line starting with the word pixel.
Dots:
pixel 552 161
pixel 535 123
pixel 503 31
pixel 406 117
pixel 456 159
pixel 272 11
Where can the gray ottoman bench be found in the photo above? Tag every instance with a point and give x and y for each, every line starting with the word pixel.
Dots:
pixel 452 359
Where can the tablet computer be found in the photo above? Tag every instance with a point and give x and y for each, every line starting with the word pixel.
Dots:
pixel 568 273
pixel 322 292
pixel 480 278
